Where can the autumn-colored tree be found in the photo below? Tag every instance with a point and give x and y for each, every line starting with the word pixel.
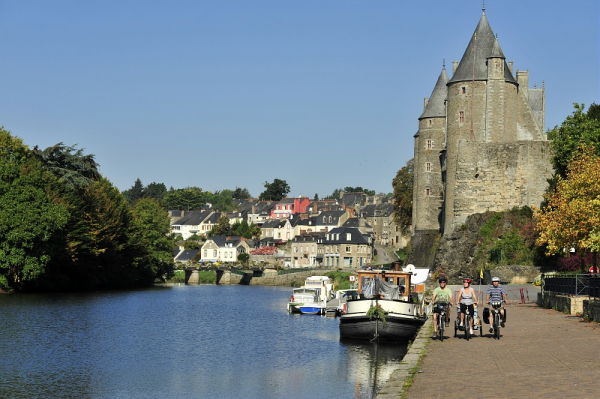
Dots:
pixel 571 218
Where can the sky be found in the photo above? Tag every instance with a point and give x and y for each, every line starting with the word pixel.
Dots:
pixel 225 94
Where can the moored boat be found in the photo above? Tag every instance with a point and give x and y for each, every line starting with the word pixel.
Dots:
pixel 312 297
pixel 384 308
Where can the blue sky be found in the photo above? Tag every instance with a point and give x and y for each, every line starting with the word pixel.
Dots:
pixel 219 94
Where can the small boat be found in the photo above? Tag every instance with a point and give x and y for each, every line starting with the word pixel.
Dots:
pixel 384 308
pixel 312 297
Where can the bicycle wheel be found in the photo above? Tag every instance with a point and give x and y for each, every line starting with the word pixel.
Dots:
pixel 467 326
pixel 455 328
pixel 441 325
pixel 480 327
pixel 497 326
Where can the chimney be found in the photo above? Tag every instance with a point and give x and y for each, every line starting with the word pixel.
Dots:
pixel 454 67
pixel 523 80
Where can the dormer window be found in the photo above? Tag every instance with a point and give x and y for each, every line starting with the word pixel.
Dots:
pixel 348 236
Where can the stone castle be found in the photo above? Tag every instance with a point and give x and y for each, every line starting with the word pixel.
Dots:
pixel 481 144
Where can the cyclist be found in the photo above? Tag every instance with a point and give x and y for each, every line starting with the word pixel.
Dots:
pixel 496 293
pixel 441 294
pixel 466 298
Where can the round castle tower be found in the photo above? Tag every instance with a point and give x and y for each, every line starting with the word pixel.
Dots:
pixel 486 136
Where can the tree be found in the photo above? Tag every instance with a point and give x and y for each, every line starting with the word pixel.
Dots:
pixel 359 189
pixel 135 192
pixel 32 216
pixel 275 191
pixel 577 129
pixel 190 198
pixel 243 257
pixel 571 218
pixel 155 190
pixel 316 197
pixel 403 195
pixel 69 164
pixel 154 255
pixel 222 228
pixel 241 193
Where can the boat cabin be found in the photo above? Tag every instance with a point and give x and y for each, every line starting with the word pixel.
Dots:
pixel 399 278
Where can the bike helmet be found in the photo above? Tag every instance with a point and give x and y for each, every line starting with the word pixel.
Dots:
pixel 495 279
pixel 442 279
pixel 467 280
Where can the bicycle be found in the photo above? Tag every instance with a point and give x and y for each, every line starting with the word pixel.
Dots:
pixel 441 319
pixel 497 318
pixel 467 323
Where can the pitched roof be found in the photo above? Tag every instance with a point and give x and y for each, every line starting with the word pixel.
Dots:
pixel 435 106
pixel 339 235
pixel 473 64
pixel 192 218
pixel 379 210
pixel 187 254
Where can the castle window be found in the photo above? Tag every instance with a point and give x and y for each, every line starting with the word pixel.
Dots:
pixel 430 122
pixel 464 90
pixel 427 192
pixel 429 144
pixel 428 166
pixel 461 116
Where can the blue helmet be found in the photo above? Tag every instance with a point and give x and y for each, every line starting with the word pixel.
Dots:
pixel 443 278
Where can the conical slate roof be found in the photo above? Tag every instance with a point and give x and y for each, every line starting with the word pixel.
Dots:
pixel 481 47
pixel 435 106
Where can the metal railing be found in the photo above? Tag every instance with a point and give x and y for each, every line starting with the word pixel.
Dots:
pixel 574 284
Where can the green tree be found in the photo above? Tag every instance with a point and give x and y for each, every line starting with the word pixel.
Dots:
pixel 222 200
pixel 241 193
pixel 243 257
pixel 275 191
pixel 403 195
pixel 577 129
pixel 316 197
pixel 135 192
pixel 222 228
pixel 155 190
pixel 190 198
pixel 69 164
pixel 358 189
pixel 31 215
pixel 154 246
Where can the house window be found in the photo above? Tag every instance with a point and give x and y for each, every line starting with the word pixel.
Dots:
pixel 428 166
pixel 461 117
pixel 429 144
pixel 348 236
pixel 206 253
pixel 347 248
pixel 324 219
pixel 215 253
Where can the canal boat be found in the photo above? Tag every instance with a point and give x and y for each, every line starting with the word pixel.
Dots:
pixel 312 297
pixel 385 308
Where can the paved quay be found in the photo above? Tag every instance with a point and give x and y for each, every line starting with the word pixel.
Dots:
pixel 541 353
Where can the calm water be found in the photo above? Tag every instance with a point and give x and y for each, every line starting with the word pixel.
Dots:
pixel 185 341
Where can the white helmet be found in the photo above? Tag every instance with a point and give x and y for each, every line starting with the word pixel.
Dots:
pixel 495 279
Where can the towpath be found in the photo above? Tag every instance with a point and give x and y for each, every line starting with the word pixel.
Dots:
pixel 541 353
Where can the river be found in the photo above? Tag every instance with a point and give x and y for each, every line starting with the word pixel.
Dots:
pixel 206 341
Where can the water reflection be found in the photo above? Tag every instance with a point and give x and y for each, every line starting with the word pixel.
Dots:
pixel 370 365
pixel 185 342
